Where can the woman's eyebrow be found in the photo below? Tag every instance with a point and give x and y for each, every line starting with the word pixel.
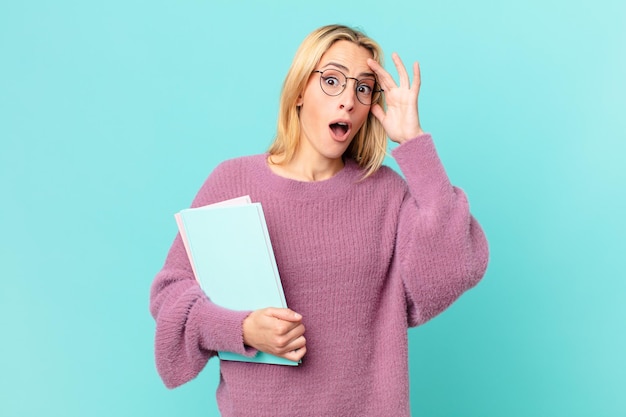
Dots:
pixel 344 68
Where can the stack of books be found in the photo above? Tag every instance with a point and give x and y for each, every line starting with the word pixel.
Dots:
pixel 232 258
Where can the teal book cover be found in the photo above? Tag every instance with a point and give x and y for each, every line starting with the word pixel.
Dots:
pixel 233 260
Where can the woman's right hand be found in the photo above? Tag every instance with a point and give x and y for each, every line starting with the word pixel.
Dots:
pixel 278 331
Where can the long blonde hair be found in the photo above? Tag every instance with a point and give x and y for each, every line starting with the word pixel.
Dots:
pixel 368 148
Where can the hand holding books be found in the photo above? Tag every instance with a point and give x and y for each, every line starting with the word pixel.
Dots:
pixel 278 331
pixel 232 258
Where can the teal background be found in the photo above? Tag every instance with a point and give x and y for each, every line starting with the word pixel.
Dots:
pixel 113 113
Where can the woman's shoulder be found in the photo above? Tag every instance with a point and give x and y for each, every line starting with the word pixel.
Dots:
pixel 388 177
pixel 245 163
pixel 239 168
pixel 229 178
pixel 385 185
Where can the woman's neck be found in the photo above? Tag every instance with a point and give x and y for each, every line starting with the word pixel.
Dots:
pixel 303 168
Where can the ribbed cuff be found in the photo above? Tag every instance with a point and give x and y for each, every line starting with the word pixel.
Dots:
pixel 221 329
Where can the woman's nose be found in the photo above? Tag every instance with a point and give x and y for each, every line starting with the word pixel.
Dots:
pixel 347 97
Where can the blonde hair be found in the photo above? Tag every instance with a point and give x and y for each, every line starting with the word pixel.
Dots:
pixel 368 148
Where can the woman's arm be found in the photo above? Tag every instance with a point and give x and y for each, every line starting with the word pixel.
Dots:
pixel 189 327
pixel 441 249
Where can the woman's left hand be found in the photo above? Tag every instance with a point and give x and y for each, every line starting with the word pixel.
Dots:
pixel 401 120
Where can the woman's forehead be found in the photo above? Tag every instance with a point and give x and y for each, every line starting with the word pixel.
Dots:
pixel 347 56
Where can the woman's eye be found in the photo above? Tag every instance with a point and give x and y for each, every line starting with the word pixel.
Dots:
pixel 331 81
pixel 364 89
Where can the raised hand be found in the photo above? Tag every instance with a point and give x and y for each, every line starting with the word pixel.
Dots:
pixel 401 119
pixel 278 331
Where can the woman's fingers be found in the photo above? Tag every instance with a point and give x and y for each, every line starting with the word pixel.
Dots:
pixel 417 77
pixel 288 338
pixel 404 76
pixel 383 77
pixel 295 355
pixel 284 314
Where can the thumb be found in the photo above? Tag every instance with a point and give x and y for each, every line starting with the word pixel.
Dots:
pixel 285 314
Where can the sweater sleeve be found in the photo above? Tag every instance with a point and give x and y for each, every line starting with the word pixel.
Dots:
pixel 190 329
pixel 441 250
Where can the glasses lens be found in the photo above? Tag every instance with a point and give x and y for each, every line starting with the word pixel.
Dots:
pixel 333 82
pixel 366 90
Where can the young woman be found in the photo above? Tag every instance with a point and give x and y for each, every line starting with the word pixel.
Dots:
pixel 363 254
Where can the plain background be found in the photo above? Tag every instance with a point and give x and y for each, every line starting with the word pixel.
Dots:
pixel 113 113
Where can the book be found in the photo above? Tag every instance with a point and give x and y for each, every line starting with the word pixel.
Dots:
pixel 231 255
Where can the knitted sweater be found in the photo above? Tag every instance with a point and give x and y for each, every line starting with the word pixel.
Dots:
pixel 360 260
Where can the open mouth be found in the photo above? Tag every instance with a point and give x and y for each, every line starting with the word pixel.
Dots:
pixel 340 129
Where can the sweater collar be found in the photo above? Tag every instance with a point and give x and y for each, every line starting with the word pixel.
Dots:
pixel 337 185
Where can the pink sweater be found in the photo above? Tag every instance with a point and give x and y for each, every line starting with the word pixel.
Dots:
pixel 360 260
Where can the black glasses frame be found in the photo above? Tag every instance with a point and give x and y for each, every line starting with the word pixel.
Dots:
pixel 376 93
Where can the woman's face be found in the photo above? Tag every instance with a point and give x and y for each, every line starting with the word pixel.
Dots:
pixel 329 123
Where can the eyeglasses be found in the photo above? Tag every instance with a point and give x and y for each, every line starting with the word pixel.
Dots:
pixel 333 82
